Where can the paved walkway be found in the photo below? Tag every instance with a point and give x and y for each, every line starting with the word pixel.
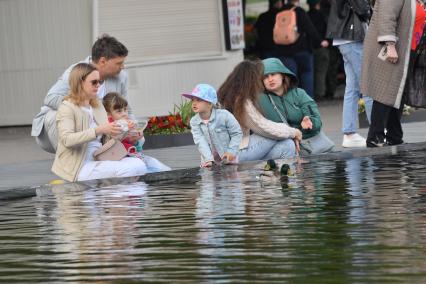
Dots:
pixel 23 163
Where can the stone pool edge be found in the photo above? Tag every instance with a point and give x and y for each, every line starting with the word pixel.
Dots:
pixel 179 176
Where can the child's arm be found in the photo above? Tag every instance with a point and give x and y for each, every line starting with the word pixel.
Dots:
pixel 201 142
pixel 236 134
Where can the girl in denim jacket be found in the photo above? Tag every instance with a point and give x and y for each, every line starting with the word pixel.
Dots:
pixel 216 132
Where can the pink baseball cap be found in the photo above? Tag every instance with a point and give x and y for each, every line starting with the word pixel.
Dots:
pixel 204 92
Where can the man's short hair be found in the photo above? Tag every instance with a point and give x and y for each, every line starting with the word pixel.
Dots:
pixel 108 47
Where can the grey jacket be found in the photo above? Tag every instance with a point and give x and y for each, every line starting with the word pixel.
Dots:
pixel 224 131
pixel 61 88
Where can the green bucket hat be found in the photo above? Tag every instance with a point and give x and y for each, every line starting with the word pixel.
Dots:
pixel 274 65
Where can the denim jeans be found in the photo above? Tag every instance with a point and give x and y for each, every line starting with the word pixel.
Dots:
pixel 352 57
pixel 262 148
pixel 302 65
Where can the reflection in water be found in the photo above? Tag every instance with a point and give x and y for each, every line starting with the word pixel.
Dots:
pixel 94 229
pixel 346 221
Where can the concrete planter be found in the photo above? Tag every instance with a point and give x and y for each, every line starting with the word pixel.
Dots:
pixel 168 140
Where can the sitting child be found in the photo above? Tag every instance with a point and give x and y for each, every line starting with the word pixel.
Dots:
pixel 116 108
pixel 216 132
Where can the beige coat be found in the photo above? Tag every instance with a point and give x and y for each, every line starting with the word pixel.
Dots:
pixel 393 20
pixel 74 135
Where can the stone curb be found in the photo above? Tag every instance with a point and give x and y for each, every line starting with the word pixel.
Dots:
pixel 191 174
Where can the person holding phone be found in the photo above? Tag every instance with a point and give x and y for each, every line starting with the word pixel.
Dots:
pixel 393 34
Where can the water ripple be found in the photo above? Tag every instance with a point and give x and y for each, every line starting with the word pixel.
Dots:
pixel 344 221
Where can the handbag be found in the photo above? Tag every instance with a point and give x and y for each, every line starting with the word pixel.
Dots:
pixel 317 144
pixel 415 85
pixel 113 150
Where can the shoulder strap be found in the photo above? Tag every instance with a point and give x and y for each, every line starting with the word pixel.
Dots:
pixel 277 110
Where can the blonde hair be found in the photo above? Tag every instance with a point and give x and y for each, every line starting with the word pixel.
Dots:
pixel 77 76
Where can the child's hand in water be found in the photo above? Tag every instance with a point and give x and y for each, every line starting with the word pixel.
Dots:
pixel 228 157
pixel 207 164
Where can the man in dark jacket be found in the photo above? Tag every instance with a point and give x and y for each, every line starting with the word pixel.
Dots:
pixel 347 25
pixel 264 26
pixel 321 54
pixel 298 55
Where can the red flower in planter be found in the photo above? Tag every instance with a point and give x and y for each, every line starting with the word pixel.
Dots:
pixel 179 122
pixel 171 120
pixel 176 122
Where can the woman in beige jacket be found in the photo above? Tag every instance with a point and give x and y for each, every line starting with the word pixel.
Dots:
pixel 82 121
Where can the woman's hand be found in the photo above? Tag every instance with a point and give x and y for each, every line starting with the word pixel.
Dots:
pixel 392 55
pixel 306 123
pixel 297 138
pixel 297 144
pixel 298 135
pixel 109 128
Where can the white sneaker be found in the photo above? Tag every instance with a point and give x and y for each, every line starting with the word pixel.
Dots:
pixel 353 140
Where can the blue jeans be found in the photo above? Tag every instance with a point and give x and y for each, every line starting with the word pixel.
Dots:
pixel 302 65
pixel 352 57
pixel 262 148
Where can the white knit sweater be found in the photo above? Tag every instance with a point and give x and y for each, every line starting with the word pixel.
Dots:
pixel 262 126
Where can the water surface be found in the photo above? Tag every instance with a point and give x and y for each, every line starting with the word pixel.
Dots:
pixel 345 221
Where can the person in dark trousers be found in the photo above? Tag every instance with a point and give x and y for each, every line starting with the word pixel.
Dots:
pixel 335 58
pixel 397 27
pixel 321 54
pixel 298 56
